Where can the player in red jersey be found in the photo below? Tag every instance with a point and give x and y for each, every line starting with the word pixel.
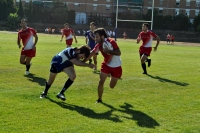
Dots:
pixel 145 49
pixel 28 51
pixel 68 33
pixel 112 62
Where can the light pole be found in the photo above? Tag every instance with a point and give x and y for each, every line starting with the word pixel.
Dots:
pixel 116 21
pixel 152 15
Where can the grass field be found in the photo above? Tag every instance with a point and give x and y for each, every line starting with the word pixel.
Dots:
pixel 166 100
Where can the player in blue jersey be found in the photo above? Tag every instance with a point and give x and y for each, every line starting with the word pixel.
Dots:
pixel 64 61
pixel 90 41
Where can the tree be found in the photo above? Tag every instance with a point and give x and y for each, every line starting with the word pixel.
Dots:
pixel 196 22
pixel 13 21
pixel 20 11
pixel 6 7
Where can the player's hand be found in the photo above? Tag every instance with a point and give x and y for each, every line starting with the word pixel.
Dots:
pixel 155 49
pixel 19 46
pixel 92 66
pixel 76 41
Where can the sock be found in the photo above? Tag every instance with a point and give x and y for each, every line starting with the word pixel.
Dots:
pixel 144 67
pixel 68 83
pixel 28 67
pixel 46 88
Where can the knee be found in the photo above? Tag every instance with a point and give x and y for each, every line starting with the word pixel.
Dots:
pixel 22 62
pixel 101 82
pixel 72 77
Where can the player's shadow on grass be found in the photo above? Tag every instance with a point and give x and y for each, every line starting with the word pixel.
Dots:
pixel 39 80
pixel 142 119
pixel 88 112
pixel 167 80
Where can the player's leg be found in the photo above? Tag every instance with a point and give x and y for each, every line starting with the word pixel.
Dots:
pixel 28 64
pixel 116 74
pixel 70 71
pixel 52 76
pixel 143 59
pixel 102 80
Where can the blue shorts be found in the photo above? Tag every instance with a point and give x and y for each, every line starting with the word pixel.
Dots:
pixel 57 65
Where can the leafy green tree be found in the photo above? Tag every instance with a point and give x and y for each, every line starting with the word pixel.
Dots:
pixel 13 21
pixel 6 7
pixel 20 11
pixel 196 22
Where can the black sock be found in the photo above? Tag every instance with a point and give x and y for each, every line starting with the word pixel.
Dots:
pixel 28 67
pixel 68 83
pixel 46 88
pixel 144 67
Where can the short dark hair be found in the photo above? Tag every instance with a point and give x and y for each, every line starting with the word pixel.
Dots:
pixel 93 23
pixel 101 31
pixel 146 24
pixel 66 24
pixel 84 49
pixel 25 20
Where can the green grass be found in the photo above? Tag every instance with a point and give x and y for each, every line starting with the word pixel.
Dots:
pixel 166 100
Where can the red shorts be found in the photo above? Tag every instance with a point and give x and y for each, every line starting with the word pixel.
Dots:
pixel 113 71
pixel 69 42
pixel 145 50
pixel 28 53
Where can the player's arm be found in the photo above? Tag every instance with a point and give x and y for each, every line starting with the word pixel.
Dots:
pixel 80 63
pixel 18 41
pixel 90 56
pixel 112 52
pixel 92 36
pixel 138 40
pixel 75 37
pixel 36 40
pixel 158 42
pixel 61 37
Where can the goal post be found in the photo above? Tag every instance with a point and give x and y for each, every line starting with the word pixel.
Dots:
pixel 151 21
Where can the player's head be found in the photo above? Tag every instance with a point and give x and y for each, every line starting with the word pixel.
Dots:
pixel 100 34
pixel 92 26
pixel 84 52
pixel 66 25
pixel 145 26
pixel 23 23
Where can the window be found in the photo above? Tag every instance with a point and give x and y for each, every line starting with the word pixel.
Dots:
pixel 107 7
pixel 187 2
pixel 197 3
pixel 95 0
pixel 177 3
pixel 196 12
pixel 161 2
pixel 107 0
pixel 94 6
pixel 192 21
pixel 77 5
pixel 160 11
pixel 150 2
pixel 187 12
pixel 176 11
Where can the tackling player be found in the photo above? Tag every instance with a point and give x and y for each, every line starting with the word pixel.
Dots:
pixel 28 51
pixel 64 61
pixel 68 33
pixel 145 49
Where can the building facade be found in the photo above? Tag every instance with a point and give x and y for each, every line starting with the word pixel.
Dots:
pixel 84 8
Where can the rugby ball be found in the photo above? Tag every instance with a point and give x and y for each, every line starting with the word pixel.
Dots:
pixel 107 45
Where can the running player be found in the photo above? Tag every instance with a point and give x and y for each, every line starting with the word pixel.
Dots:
pixel 112 62
pixel 28 50
pixel 64 61
pixel 68 33
pixel 145 49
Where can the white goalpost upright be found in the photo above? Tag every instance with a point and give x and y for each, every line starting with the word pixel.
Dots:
pixel 133 20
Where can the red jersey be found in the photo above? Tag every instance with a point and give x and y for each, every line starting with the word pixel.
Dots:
pixel 110 60
pixel 172 37
pixel 68 33
pixel 146 38
pixel 27 37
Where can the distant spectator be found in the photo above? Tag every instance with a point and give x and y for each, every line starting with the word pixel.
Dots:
pixel 125 35
pixel 49 30
pixel 53 31
pixel 84 32
pixel 110 33
pixel 46 30
pixel 79 32
pixel 168 39
pixel 113 33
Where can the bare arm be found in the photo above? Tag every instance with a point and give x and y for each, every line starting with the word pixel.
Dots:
pixel 61 37
pixel 80 63
pixel 91 54
pixel 74 37
pixel 158 42
pixel 113 52
pixel 36 39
